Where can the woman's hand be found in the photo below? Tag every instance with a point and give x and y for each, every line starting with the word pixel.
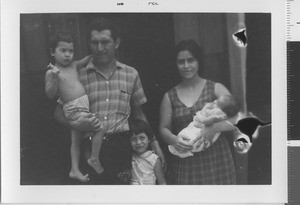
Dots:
pixel 182 144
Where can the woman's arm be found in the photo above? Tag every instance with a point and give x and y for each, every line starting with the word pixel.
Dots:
pixel 156 148
pixel 208 132
pixel 223 126
pixel 165 121
pixel 51 82
pixel 221 90
pixel 159 173
pixel 165 125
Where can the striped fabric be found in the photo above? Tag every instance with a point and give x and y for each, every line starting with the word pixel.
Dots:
pixel 211 166
pixel 111 98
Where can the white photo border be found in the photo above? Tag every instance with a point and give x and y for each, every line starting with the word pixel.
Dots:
pixel 13 192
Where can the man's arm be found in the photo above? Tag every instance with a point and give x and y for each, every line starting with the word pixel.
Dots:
pixel 138 113
pixel 82 62
pixel 86 122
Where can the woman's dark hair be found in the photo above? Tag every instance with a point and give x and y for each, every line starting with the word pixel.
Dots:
pixel 137 126
pixel 191 46
pixel 60 36
pixel 104 24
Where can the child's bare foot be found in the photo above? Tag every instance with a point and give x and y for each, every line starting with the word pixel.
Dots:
pixel 95 164
pixel 79 176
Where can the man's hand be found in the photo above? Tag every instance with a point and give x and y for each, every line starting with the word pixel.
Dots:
pixel 86 122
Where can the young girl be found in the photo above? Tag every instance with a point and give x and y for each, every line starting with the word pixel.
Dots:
pixel 146 166
pixel 62 80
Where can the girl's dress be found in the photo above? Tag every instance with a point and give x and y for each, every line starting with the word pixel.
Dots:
pixel 143 168
pixel 211 166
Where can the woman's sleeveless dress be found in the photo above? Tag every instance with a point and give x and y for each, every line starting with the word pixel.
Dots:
pixel 212 166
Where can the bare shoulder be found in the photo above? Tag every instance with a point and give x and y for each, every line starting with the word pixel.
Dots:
pixel 166 99
pixel 220 89
pixel 48 72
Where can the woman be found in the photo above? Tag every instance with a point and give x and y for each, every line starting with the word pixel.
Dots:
pixel 215 164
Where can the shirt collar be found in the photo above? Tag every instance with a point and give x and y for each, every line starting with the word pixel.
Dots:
pixel 91 66
pixel 145 154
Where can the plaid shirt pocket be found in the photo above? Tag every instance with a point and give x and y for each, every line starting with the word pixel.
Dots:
pixel 124 102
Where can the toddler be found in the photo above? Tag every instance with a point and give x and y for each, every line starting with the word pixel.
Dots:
pixel 62 79
pixel 146 166
pixel 224 107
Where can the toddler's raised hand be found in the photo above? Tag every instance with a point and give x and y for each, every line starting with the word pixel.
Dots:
pixel 54 70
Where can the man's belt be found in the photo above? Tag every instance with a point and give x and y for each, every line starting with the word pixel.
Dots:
pixel 117 136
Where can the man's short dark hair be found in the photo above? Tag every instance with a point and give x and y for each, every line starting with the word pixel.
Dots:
pixel 104 24
pixel 60 36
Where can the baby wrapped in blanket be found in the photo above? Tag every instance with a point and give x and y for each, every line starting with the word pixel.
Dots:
pixel 224 107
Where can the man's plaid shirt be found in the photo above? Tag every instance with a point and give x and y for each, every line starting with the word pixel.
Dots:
pixel 111 98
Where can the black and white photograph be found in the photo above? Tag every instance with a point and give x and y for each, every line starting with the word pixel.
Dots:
pixel 177 63
pixel 183 99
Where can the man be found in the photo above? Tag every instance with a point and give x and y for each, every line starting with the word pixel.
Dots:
pixel 115 93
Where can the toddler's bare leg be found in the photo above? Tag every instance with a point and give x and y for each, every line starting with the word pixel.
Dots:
pixel 75 173
pixel 94 161
pixel 87 135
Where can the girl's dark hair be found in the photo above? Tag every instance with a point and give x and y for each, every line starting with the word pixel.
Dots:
pixel 104 24
pixel 60 36
pixel 191 46
pixel 137 126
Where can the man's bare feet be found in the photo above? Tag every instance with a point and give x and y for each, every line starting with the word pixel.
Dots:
pixel 79 176
pixel 95 164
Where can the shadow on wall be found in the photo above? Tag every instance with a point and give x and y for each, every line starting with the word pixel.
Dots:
pixel 43 147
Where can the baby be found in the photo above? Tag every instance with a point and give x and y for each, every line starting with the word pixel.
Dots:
pixel 62 79
pixel 224 107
